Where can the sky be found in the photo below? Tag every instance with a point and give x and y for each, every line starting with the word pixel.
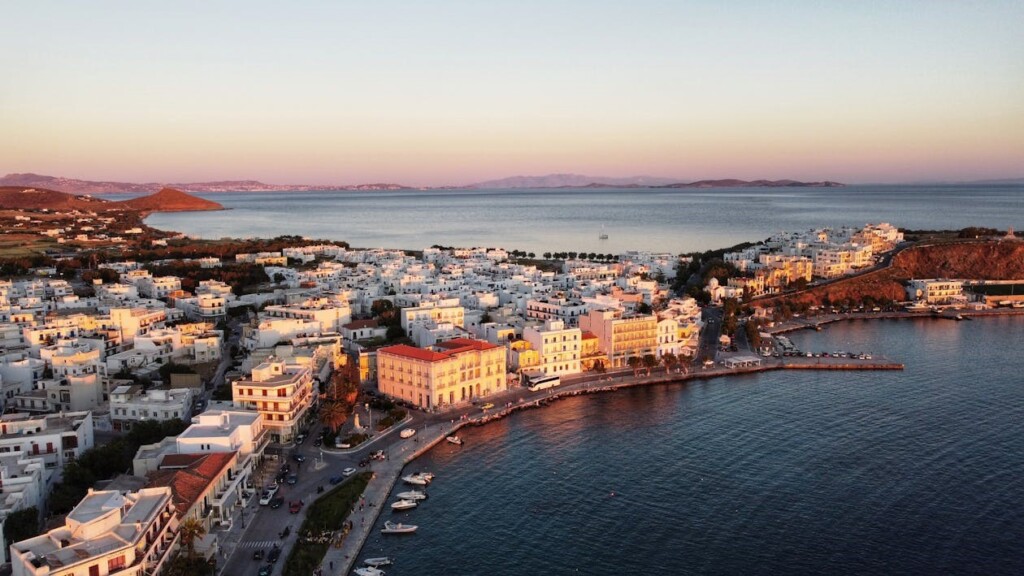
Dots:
pixel 450 92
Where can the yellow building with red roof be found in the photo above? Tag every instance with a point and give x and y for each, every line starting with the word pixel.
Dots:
pixel 449 373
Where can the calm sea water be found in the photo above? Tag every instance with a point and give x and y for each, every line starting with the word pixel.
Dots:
pixel 571 220
pixel 913 472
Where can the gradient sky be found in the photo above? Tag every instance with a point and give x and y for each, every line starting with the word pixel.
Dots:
pixel 450 92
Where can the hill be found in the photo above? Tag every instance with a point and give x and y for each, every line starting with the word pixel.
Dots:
pixel 169 200
pixel 972 259
pixel 76 186
pixel 20 197
pixel 571 181
pixel 733 183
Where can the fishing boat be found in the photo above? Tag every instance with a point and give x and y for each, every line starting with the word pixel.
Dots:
pixel 368 571
pixel 378 562
pixel 454 440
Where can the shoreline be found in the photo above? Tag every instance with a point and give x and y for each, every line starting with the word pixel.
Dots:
pixel 437 430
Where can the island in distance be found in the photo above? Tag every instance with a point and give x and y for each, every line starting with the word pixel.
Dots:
pixel 76 186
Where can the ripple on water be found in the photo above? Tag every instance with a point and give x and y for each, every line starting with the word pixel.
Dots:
pixel 913 472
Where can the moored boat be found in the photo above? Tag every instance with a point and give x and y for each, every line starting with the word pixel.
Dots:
pixel 368 571
pixel 398 528
pixel 415 479
pixel 414 495
pixel 403 505
pixel 378 562
pixel 454 440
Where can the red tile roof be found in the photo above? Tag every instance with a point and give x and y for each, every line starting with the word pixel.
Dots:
pixel 588 336
pixel 414 353
pixel 459 344
pixel 450 347
pixel 188 484
pixel 357 324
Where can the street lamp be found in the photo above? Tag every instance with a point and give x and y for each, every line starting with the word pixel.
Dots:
pixel 369 416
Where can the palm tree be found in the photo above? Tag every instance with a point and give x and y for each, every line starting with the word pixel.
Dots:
pixel 669 360
pixel 333 414
pixel 191 530
pixel 634 363
pixel 650 361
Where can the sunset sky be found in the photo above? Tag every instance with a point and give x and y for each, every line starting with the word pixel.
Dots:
pixel 451 92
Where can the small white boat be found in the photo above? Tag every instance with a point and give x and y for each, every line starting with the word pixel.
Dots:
pixel 415 479
pixel 414 495
pixel 368 571
pixel 378 562
pixel 398 528
pixel 404 505
pixel 454 440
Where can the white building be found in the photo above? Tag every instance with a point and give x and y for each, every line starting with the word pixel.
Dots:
pixel 56 438
pixel 130 404
pixel 559 347
pixel 131 534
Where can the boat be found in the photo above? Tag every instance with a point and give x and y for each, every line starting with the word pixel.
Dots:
pixel 368 571
pixel 378 562
pixel 398 528
pixel 603 235
pixel 454 440
pixel 404 505
pixel 415 479
pixel 414 495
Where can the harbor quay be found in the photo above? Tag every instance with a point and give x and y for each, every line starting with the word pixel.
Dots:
pixel 435 427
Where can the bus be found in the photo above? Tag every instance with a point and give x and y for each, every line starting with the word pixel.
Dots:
pixel 543 382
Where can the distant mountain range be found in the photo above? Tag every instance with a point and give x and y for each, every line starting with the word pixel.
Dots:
pixel 76 186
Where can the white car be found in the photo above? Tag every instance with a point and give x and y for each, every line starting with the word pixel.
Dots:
pixel 268 495
pixel 348 472
pixel 408 433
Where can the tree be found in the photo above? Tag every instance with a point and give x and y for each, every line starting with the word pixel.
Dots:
pixel 395 333
pixel 333 414
pixel 599 367
pixel 547 255
pixel 531 255
pixel 634 363
pixel 21 525
pixel 669 360
pixel 572 255
pixel 191 530
pixel 649 361
pixel 644 308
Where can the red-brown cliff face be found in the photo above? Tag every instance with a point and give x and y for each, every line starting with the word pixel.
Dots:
pixel 975 260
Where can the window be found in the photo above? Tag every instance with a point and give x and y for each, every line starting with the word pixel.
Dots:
pixel 113 564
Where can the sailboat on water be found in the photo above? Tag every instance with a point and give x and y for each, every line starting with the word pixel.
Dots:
pixel 603 235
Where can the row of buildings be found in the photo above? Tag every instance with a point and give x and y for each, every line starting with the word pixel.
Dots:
pixel 788 257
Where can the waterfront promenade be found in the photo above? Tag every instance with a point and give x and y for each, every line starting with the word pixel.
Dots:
pixel 433 429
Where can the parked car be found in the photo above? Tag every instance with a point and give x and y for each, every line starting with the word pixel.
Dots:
pixel 348 472
pixel 292 479
pixel 295 506
pixel 336 479
pixel 275 553
pixel 298 457
pixel 317 442
pixel 300 438
pixel 277 502
pixel 407 433
pixel 378 455
pixel 266 569
pixel 487 406
pixel 268 495
pixel 258 555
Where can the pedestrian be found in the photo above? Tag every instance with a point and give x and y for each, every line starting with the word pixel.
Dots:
pixel 332 564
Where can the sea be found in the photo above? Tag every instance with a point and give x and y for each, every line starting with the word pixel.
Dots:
pixel 919 471
pixel 572 220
